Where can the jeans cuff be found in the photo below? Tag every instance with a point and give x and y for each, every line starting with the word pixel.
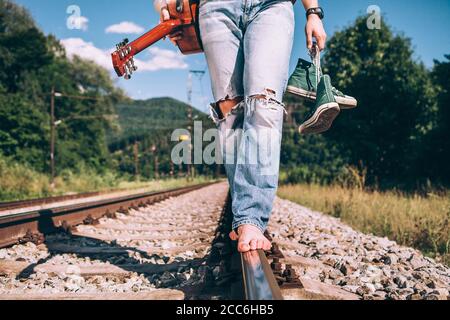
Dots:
pixel 237 224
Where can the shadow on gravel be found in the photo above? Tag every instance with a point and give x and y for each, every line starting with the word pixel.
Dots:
pixel 218 272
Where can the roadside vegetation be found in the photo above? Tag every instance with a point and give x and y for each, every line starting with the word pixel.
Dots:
pixel 420 221
pixel 20 182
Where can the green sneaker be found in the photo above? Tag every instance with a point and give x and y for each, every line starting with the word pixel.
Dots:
pixel 326 110
pixel 303 83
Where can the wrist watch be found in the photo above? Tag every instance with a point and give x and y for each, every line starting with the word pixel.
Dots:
pixel 318 11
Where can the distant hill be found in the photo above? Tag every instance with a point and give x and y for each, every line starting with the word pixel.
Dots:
pixel 143 117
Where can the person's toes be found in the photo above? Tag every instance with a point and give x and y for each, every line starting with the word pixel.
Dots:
pixel 233 236
pixel 260 244
pixel 243 247
pixel 254 244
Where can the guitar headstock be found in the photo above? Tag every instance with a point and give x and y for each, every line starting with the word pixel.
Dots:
pixel 123 59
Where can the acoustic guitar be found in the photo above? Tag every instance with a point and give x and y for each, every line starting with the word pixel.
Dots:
pixel 183 17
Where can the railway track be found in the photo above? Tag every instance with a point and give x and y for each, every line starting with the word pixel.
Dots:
pixel 25 221
pixel 175 245
pixel 39 202
pixel 164 245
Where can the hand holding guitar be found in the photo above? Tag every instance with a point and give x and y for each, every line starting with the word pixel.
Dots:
pixel 178 22
pixel 165 16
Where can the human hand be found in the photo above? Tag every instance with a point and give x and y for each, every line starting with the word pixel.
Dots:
pixel 314 29
pixel 177 35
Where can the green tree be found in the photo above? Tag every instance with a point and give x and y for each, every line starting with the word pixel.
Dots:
pixel 23 51
pixel 31 64
pixel 395 97
pixel 81 135
pixel 21 130
pixel 436 144
pixel 23 47
pixel 307 159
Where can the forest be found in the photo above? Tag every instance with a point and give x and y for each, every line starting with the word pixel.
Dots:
pixel 396 139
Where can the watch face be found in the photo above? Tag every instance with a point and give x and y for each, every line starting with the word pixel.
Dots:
pixel 318 11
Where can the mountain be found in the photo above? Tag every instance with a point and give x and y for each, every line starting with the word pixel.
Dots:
pixel 144 134
pixel 138 118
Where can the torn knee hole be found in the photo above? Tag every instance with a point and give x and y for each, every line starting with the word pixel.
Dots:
pixel 271 92
pixel 225 106
pixel 268 94
pixel 270 97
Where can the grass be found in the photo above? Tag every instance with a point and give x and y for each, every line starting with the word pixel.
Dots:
pixel 19 182
pixel 411 220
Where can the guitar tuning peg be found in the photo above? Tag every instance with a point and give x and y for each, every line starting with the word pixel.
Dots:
pixel 133 66
pixel 127 75
pixel 126 40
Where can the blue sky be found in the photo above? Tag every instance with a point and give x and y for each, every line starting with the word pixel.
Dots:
pixel 427 23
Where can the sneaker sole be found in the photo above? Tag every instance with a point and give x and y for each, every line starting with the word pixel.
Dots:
pixel 344 102
pixel 322 120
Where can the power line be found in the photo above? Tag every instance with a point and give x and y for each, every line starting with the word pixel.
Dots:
pixel 54 123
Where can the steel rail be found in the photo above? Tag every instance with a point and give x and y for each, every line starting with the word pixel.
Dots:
pixel 259 280
pixel 44 201
pixel 32 225
pixel 256 277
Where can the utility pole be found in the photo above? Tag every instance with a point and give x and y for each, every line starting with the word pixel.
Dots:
pixel 156 163
pixel 190 111
pixel 52 137
pixel 172 169
pixel 147 165
pixel 136 159
pixel 54 123
pixel 156 167
pixel 199 74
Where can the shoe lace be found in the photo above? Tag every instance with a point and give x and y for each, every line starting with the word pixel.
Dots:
pixel 314 53
pixel 339 93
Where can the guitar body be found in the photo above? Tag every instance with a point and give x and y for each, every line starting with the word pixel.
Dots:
pixel 183 17
pixel 191 42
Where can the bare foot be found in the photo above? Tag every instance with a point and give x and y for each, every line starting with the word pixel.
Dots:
pixel 250 238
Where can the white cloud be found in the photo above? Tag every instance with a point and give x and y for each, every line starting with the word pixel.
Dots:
pixel 86 50
pixel 159 59
pixel 125 27
pixel 162 59
pixel 78 23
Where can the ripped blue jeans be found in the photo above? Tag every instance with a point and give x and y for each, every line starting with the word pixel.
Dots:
pixel 248 45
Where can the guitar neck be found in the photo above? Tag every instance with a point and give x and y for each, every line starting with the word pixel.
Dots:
pixel 162 30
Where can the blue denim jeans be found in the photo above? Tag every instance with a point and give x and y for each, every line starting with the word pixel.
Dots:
pixel 248 45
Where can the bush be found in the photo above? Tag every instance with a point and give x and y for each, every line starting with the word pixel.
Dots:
pixel 19 181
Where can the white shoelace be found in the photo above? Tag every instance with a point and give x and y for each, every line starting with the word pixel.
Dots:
pixel 314 53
